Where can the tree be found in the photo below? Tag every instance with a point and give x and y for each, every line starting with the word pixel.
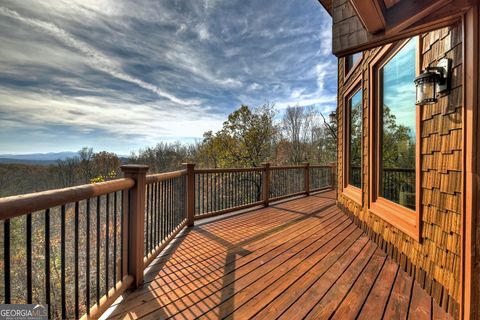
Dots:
pixel 105 166
pixel 164 156
pixel 85 155
pixel 247 138
pixel 297 125
pixel 67 171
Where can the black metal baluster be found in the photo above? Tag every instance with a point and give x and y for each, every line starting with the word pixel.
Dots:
pixel 153 212
pixel 122 231
pixel 203 193
pixel 170 203
pixel 197 194
pixel 29 257
pixel 98 252
pixel 47 260
pixel 147 217
pixel 115 239
pixel 87 257
pixel 107 241
pixel 6 258
pixel 159 213
pixel 77 312
pixel 175 195
pixel 235 189
pixel 151 215
pixel 162 210
pixel 62 254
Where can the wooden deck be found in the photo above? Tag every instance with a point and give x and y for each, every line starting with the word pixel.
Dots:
pixel 298 259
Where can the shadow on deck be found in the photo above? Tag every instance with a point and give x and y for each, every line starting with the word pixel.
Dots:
pixel 298 259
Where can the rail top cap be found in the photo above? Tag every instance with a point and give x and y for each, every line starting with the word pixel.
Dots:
pixel 188 164
pixel 134 168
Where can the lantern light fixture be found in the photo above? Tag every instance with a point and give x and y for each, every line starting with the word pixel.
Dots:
pixel 433 82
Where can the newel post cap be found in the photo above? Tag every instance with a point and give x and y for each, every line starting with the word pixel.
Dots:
pixel 134 168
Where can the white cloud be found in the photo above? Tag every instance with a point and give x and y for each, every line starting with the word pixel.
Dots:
pixel 97 59
pixel 150 120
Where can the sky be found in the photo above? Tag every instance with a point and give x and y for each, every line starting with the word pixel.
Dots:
pixel 121 75
pixel 399 93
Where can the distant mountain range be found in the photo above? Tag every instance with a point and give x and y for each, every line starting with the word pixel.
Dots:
pixel 51 156
pixel 42 158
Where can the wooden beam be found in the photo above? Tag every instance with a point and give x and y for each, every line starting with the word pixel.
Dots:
pixel 371 14
pixel 406 13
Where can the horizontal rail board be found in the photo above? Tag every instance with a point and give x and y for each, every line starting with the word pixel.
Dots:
pixel 15 206
pixel 288 167
pixel 165 176
pixel 220 170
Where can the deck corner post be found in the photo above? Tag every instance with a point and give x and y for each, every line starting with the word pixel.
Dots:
pixel 266 183
pixel 190 193
pixel 136 213
pixel 306 178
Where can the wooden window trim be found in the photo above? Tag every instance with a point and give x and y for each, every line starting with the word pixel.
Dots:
pixel 404 219
pixel 352 192
pixel 348 73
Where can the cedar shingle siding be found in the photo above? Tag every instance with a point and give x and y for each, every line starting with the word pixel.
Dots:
pixel 435 261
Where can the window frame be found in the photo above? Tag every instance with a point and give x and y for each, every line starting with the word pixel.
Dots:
pixel 349 190
pixel 403 218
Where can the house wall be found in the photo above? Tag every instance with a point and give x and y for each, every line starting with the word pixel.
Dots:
pixel 435 261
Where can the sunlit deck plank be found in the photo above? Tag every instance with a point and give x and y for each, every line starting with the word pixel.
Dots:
pixel 298 258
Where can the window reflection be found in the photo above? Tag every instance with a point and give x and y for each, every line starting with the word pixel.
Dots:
pixel 399 127
pixel 355 139
pixel 351 60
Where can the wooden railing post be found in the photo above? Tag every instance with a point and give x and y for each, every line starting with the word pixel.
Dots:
pixel 333 174
pixel 266 183
pixel 306 178
pixel 136 213
pixel 190 195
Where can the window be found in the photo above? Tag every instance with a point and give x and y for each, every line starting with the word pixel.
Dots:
pixel 352 140
pixel 355 139
pixel 398 127
pixel 351 61
pixel 394 158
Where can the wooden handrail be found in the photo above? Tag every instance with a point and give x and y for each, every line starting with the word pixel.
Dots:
pixel 287 167
pixel 165 176
pixel 15 206
pixel 221 170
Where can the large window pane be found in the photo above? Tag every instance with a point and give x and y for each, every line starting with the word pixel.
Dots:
pixel 355 139
pixel 399 127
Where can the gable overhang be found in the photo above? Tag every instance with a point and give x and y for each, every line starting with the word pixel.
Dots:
pixel 364 24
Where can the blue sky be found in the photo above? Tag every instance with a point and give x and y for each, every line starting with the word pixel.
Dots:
pixel 120 75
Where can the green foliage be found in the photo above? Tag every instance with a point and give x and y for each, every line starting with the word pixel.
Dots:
pixel 398 149
pixel 246 140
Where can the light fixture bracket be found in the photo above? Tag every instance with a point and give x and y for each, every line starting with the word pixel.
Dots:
pixel 444 70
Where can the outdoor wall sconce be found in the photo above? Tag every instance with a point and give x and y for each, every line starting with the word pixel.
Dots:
pixel 433 82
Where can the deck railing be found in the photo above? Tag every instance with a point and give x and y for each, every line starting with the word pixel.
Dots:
pixel 78 249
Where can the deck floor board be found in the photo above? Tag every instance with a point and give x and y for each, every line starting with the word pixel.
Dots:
pixel 295 259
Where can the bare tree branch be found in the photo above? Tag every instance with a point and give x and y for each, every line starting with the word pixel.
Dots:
pixel 329 126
